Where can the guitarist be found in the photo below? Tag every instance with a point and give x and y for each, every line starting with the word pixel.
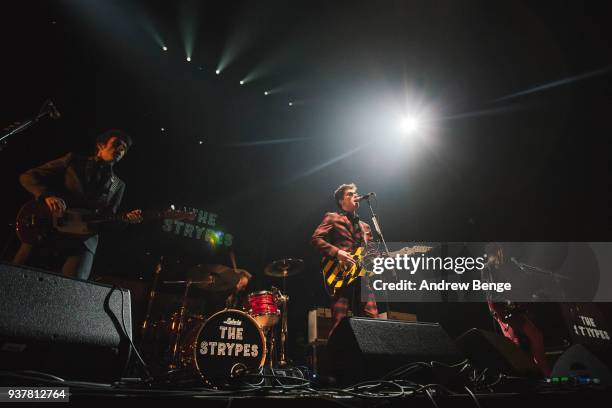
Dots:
pixel 339 234
pixel 513 318
pixel 79 182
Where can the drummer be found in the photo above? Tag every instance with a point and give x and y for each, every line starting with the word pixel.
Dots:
pixel 208 302
pixel 237 298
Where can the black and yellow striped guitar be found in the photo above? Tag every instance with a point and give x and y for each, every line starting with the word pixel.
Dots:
pixel 337 274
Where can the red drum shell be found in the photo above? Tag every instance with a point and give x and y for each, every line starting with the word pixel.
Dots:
pixel 263 306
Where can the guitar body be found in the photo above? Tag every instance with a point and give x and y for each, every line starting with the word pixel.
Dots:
pixel 35 223
pixel 337 275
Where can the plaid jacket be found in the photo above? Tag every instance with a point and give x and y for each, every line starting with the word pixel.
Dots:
pixel 336 231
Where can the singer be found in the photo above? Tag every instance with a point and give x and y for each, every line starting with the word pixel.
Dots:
pixel 78 182
pixel 339 234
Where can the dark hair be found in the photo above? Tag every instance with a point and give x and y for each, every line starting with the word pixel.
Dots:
pixel 339 193
pixel 120 134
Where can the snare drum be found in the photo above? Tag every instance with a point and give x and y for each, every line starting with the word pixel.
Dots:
pixel 263 306
pixel 229 342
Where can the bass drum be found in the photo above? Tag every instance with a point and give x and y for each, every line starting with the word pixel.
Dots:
pixel 229 342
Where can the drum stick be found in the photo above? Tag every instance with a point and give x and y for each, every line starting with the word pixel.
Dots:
pixel 233 259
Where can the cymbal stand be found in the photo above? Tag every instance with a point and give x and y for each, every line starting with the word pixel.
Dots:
pixel 284 298
pixel 175 349
pixel 152 294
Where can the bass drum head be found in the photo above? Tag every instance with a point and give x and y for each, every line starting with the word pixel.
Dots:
pixel 229 342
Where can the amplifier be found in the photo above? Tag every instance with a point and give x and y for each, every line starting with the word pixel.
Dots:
pixel 63 326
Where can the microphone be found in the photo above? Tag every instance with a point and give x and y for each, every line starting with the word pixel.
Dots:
pixel 366 196
pixel 53 112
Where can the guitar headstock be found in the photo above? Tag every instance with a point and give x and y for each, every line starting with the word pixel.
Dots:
pixel 173 214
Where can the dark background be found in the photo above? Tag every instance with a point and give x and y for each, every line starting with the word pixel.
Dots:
pixel 534 167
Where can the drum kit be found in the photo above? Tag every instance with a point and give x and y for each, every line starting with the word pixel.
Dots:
pixel 229 341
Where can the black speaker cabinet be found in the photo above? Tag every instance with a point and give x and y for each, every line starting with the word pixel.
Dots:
pixel 578 361
pixel 62 326
pixel 367 349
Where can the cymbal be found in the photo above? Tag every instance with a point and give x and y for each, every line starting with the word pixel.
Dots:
pixel 284 267
pixel 215 278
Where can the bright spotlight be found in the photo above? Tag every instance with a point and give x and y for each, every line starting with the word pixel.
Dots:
pixel 165 48
pixel 217 72
pixel 409 125
pixel 241 82
pixel 290 103
pixel 266 93
pixel 188 59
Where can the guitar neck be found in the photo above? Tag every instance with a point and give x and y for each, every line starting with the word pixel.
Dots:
pixel 148 214
pixel 122 217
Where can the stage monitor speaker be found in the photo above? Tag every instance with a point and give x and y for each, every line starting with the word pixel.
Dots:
pixel 367 349
pixel 498 354
pixel 578 361
pixel 67 327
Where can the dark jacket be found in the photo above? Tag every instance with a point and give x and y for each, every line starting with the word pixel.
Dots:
pixel 83 182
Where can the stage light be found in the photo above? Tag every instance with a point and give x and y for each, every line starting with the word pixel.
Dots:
pixel 217 72
pixel 290 103
pixel 163 129
pixel 241 82
pixel 409 125
pixel 201 142
pixel 165 48
pixel 266 93
pixel 188 59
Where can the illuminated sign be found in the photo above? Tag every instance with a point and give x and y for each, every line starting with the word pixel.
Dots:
pixel 201 229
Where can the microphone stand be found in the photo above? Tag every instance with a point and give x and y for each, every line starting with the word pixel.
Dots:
pixel 543 272
pixel 382 239
pixel 23 126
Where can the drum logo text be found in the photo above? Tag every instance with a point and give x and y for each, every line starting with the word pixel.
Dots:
pixel 219 348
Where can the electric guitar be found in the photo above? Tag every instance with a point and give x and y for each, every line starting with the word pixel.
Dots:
pixel 337 274
pixel 35 222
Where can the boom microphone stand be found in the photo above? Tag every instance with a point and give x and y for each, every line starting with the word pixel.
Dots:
pixel 382 239
pixel 47 109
